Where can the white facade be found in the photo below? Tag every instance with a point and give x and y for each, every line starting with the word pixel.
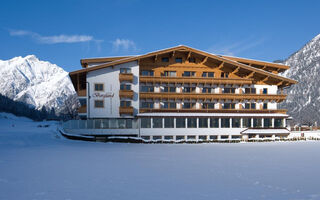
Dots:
pixel 110 78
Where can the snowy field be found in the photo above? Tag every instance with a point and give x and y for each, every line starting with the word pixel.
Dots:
pixel 36 163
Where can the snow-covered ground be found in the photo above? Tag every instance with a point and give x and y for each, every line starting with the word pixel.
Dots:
pixel 36 163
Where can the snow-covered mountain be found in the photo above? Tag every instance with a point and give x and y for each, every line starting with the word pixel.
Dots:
pixel 303 101
pixel 37 83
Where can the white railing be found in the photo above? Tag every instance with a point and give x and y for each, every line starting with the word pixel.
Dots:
pixel 101 124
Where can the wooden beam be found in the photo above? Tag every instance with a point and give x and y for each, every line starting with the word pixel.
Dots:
pixel 236 70
pixel 204 60
pixel 250 74
pixel 266 78
pixel 280 83
pixel 221 65
pixel 189 55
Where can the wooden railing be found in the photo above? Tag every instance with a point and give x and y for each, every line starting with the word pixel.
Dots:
pixel 126 94
pixel 197 80
pixel 82 93
pixel 126 77
pixel 126 110
pixel 82 109
pixel 193 110
pixel 212 96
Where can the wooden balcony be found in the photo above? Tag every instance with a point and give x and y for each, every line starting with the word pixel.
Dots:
pixel 126 77
pixel 126 110
pixel 193 110
pixel 126 94
pixel 213 96
pixel 195 80
pixel 82 109
pixel 82 93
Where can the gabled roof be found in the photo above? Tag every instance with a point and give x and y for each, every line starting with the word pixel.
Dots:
pixel 192 50
pixel 84 62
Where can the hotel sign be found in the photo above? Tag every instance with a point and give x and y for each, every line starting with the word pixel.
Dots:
pixel 101 95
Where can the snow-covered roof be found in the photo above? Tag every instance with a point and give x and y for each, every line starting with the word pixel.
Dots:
pixel 213 115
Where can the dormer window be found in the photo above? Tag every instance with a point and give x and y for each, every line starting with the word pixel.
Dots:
pixel 208 74
pixel 188 73
pixel 224 74
pixel 165 59
pixel 125 70
pixel 179 60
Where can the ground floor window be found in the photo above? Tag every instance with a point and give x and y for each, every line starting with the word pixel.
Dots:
pixel 180 137
pixel 235 122
pixel 225 122
pixel 157 137
pixel 192 122
pixel 278 123
pixel 168 137
pixel 191 137
pixel 246 122
pixel 267 123
pixel 169 122
pixel 203 122
pixel 213 137
pixel 145 137
pixel 202 137
pixel 257 122
pixel 180 122
pixel 224 137
pixel 214 122
pixel 145 122
pixel 157 122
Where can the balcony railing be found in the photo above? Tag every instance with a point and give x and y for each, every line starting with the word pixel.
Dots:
pixel 126 77
pixel 82 93
pixel 126 94
pixel 82 109
pixel 126 110
pixel 184 110
pixel 212 96
pixel 197 80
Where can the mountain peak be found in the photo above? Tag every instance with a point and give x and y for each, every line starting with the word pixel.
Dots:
pixel 31 58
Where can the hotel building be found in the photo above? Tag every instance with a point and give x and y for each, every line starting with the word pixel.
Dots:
pixel 180 93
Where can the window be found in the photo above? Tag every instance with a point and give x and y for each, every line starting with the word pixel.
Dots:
pixel 229 106
pixel 157 122
pixel 125 70
pixel 265 105
pixel 207 90
pixel 225 122
pixel 180 122
pixel 171 105
pixel 203 122
pixel 169 89
pixel 229 90
pixel 145 122
pixel 125 104
pixel 250 106
pixel 125 87
pixel 278 123
pixel 265 91
pixel 214 122
pixel 169 122
pixel 250 90
pixel 165 59
pixel 146 104
pixel 192 122
pixel 257 122
pixel 189 89
pixel 192 60
pixel 208 74
pixel 235 122
pixel 224 74
pixel 253 105
pixel 170 73
pixel 246 122
pixel 98 87
pixel 168 137
pixel 147 73
pixel 83 102
pixel 147 88
pixel 178 60
pixel 188 105
pixel 208 105
pixel 267 123
pixel 188 73
pixel 98 104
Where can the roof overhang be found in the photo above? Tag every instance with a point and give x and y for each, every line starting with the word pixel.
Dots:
pixel 165 114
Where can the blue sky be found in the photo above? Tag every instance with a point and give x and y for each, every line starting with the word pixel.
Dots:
pixel 63 32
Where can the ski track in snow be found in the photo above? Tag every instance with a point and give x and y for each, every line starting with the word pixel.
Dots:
pixel 37 163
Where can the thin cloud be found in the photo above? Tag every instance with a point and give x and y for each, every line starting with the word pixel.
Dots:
pixel 55 39
pixel 237 47
pixel 123 44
